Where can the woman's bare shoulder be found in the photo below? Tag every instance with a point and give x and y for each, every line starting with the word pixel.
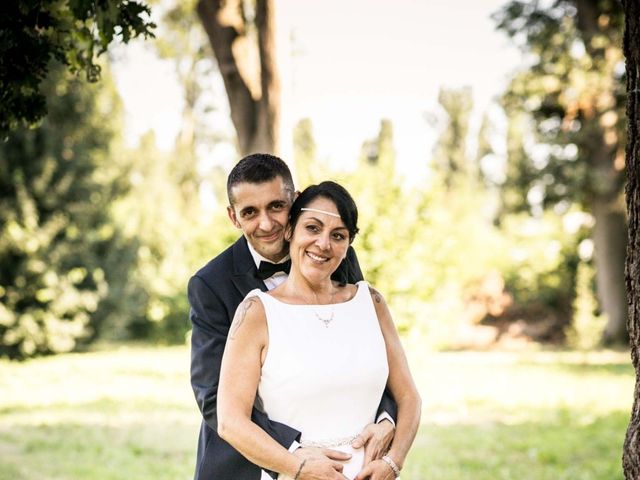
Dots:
pixel 250 316
pixel 376 296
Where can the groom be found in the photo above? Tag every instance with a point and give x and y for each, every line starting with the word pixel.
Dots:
pixel 260 191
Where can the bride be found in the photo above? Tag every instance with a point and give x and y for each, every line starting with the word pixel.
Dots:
pixel 317 355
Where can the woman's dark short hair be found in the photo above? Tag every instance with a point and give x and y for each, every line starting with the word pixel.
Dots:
pixel 259 168
pixel 338 195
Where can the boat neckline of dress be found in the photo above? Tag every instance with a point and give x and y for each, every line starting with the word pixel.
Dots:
pixel 358 285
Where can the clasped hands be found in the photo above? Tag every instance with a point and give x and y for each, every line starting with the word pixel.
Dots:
pixel 326 464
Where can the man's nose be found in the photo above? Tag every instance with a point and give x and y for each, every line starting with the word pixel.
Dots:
pixel 265 222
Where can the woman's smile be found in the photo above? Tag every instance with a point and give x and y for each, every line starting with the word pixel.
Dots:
pixel 317 258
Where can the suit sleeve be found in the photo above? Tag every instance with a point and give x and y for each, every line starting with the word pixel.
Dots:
pixel 387 404
pixel 210 319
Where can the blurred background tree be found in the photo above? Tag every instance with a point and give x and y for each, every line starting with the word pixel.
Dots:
pixel 493 243
pixel 567 148
pixel 57 182
pixel 242 36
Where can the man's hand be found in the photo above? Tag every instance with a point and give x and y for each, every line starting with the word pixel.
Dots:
pixel 376 438
pixel 321 464
pixel 376 470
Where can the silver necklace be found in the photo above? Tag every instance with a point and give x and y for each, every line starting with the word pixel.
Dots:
pixel 328 319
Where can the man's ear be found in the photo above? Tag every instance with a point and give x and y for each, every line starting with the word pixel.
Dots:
pixel 295 195
pixel 232 216
pixel 287 233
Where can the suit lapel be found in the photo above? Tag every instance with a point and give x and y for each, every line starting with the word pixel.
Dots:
pixel 245 275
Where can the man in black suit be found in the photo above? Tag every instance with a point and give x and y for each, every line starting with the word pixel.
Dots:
pixel 261 191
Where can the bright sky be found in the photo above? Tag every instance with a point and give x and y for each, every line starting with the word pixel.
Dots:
pixel 355 62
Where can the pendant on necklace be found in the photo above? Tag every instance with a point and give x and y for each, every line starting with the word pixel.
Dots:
pixel 326 321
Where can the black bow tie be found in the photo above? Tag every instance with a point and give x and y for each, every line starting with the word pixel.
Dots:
pixel 268 269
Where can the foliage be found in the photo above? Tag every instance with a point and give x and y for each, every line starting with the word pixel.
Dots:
pixel 584 332
pixel 71 32
pixel 174 208
pixel 450 156
pixel 182 40
pixel 545 415
pixel 386 213
pixel 56 185
pixel 175 235
pixel 307 169
pixel 566 127
pixel 572 89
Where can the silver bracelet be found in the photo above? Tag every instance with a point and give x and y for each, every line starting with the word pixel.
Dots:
pixel 392 465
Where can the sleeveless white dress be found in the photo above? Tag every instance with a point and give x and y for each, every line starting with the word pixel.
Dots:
pixel 325 379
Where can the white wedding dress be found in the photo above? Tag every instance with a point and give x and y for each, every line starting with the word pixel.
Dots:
pixel 325 371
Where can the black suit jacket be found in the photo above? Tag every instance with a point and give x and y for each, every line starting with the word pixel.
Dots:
pixel 215 292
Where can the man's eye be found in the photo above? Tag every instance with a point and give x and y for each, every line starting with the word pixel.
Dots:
pixel 248 213
pixel 278 206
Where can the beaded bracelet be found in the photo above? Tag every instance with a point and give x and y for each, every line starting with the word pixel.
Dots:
pixel 300 469
pixel 392 465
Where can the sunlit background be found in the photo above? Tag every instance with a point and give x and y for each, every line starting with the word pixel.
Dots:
pixel 484 144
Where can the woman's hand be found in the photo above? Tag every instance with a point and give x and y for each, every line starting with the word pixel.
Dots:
pixel 376 470
pixel 321 468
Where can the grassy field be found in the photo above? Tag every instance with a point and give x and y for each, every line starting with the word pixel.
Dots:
pixel 129 414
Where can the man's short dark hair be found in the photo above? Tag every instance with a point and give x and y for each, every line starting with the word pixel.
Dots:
pixel 259 168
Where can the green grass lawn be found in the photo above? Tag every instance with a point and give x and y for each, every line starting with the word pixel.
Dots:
pixel 129 414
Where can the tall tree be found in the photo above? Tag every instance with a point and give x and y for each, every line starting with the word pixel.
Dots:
pixel 243 42
pixel 182 40
pixel 450 154
pixel 308 169
pixel 631 455
pixel 73 32
pixel 572 91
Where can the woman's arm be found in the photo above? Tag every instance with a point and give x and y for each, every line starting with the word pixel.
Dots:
pixel 239 377
pixel 404 391
pixel 244 354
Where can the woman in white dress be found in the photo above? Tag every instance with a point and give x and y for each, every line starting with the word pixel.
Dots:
pixel 316 354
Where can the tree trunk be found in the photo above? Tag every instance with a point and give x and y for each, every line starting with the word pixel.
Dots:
pixel 610 240
pixel 631 454
pixel 605 184
pixel 250 74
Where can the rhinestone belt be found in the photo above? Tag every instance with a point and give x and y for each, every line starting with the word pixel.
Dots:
pixel 329 443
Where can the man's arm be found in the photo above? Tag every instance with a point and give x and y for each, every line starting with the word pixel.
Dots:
pixel 387 405
pixel 211 320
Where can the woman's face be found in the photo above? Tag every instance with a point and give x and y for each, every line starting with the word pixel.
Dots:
pixel 320 240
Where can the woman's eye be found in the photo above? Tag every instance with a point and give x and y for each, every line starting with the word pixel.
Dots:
pixel 312 228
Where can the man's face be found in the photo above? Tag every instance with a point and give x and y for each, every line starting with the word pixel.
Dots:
pixel 261 211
